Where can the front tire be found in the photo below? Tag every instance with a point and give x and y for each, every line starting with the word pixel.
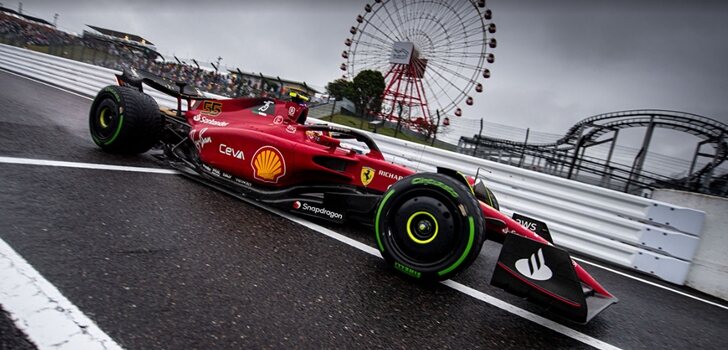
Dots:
pixel 124 120
pixel 429 227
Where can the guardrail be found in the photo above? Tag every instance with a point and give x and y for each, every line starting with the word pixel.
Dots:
pixel 642 234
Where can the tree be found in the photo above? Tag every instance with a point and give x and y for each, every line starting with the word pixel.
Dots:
pixel 366 92
pixel 338 89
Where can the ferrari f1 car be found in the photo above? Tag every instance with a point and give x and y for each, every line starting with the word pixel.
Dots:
pixel 428 226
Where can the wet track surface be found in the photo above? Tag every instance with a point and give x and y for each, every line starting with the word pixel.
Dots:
pixel 159 261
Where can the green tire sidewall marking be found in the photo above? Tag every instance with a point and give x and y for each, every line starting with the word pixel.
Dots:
pixel 376 219
pixel 118 130
pixel 422 241
pixel 460 260
pixel 425 181
pixel 113 92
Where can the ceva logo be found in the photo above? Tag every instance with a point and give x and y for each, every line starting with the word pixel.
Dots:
pixel 534 267
pixel 229 151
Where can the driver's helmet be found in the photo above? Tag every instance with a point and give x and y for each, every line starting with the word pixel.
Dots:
pixel 298 96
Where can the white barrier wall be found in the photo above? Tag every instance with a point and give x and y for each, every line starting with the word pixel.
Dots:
pixel 709 270
pixel 646 235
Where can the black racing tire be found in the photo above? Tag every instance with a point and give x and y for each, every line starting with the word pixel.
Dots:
pixel 125 120
pixel 429 227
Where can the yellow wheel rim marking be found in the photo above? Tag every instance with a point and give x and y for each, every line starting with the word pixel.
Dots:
pixel 412 236
pixel 102 118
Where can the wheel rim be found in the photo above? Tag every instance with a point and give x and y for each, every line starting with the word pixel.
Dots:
pixel 107 122
pixel 104 118
pixel 422 229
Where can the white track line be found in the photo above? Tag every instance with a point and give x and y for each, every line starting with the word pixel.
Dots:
pixel 40 310
pixel 554 326
pixel 56 163
pixel 650 283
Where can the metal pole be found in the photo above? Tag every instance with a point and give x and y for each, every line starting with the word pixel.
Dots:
pixel 333 110
pixel 523 151
pixel 434 136
pixel 480 133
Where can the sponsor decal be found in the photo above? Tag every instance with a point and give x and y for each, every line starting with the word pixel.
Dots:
pixel 407 270
pixel 531 226
pixel 264 109
pixel 425 181
pixel 243 182
pixel 232 152
pixel 291 111
pixel 389 175
pixel 202 119
pixel 268 164
pixel 291 129
pixel 200 141
pixel 534 267
pixel 317 211
pixel 211 108
pixel 367 175
pixel 278 120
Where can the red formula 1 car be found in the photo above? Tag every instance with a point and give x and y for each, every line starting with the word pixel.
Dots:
pixel 428 226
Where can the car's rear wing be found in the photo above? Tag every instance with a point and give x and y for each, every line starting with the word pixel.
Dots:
pixel 179 89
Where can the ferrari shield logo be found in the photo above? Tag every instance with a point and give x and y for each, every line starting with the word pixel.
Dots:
pixel 367 175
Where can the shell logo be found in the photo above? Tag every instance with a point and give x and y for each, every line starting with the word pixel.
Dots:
pixel 268 164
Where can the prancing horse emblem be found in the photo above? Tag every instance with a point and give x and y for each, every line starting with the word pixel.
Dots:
pixel 367 175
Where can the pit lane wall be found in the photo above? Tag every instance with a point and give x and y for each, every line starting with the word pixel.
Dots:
pixel 646 235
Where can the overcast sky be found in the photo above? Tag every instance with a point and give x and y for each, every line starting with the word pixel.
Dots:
pixel 557 62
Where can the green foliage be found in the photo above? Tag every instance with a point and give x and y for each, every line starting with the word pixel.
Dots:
pixel 365 91
pixel 338 88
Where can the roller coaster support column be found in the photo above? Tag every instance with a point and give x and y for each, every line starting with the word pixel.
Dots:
pixel 577 148
pixel 606 178
pixel 639 161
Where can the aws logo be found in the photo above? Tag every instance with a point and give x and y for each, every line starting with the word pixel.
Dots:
pixel 268 164
pixel 367 175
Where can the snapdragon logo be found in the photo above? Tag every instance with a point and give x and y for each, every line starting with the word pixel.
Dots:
pixel 318 211
pixel 534 267
pixel 202 119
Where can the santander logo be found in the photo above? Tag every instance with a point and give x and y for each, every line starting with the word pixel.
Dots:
pixel 535 267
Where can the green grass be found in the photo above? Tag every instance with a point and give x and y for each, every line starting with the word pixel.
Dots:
pixel 355 123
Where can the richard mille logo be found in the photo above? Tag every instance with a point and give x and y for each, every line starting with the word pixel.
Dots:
pixel 534 267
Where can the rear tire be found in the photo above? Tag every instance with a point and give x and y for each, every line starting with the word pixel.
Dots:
pixel 429 227
pixel 124 120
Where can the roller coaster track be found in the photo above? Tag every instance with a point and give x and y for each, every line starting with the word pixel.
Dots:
pixel 590 132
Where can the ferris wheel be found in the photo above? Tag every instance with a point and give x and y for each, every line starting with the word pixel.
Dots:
pixel 432 54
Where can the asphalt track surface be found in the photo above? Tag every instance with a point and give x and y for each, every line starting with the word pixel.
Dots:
pixel 162 262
